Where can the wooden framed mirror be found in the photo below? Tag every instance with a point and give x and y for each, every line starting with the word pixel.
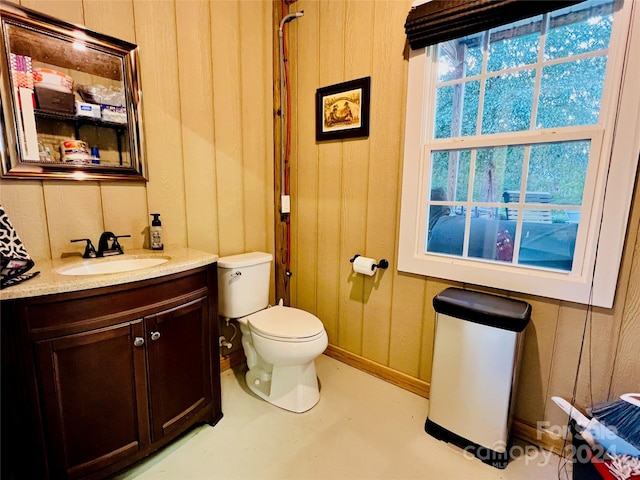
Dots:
pixel 71 106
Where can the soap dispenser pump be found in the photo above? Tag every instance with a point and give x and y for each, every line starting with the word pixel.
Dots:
pixel 156 233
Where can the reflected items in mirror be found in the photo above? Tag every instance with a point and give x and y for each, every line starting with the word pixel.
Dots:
pixel 68 93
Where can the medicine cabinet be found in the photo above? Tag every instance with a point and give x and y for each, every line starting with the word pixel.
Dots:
pixel 71 106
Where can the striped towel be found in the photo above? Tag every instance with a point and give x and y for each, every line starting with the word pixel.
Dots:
pixel 15 261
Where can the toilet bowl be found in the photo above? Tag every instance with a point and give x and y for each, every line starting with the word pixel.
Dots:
pixel 280 343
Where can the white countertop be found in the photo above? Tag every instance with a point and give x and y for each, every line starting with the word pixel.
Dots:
pixel 49 281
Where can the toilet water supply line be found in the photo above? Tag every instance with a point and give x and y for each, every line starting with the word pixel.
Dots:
pixel 285 200
pixel 222 341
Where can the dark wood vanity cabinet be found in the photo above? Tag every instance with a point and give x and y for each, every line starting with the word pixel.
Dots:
pixel 95 380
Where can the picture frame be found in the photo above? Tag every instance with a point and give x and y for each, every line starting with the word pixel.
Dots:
pixel 342 110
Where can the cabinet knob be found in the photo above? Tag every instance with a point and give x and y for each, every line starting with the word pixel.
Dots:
pixel 138 341
pixel 155 335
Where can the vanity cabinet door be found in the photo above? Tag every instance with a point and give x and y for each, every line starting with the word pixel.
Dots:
pixel 178 349
pixel 94 398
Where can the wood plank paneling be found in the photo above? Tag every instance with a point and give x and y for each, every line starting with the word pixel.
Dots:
pixel 626 372
pixel 432 288
pixel 331 69
pixel 156 36
pixel 304 56
pixel 196 104
pixel 68 10
pixel 124 212
pixel 387 119
pixel 257 139
pixel 537 356
pixel 73 211
pixel 24 204
pixel 407 314
pixel 116 19
pixel 359 24
pixel 111 18
pixel 225 35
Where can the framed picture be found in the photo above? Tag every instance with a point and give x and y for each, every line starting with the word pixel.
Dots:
pixel 342 110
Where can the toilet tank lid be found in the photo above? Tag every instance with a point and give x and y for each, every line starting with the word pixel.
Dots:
pixel 244 259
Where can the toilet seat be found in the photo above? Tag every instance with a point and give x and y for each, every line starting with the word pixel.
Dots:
pixel 286 324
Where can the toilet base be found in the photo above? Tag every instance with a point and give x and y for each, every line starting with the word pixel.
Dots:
pixel 291 387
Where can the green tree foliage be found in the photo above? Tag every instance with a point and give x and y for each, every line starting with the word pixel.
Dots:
pixel 570 92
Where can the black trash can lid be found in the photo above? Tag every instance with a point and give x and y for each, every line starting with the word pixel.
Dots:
pixel 484 308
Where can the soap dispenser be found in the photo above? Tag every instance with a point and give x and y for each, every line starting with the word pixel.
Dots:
pixel 156 233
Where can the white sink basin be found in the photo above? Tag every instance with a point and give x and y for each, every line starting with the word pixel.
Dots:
pixel 112 265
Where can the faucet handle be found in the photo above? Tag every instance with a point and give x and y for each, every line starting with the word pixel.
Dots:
pixel 89 251
pixel 116 245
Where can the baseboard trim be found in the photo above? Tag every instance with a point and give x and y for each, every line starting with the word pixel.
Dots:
pixel 541 438
pixel 402 380
pixel 521 429
pixel 232 360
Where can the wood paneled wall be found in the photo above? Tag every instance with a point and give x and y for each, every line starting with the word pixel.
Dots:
pixel 207 81
pixel 346 195
pixel 207 97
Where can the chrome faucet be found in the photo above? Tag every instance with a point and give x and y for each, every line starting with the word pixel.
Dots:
pixel 104 250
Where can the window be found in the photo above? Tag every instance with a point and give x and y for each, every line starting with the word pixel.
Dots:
pixel 514 139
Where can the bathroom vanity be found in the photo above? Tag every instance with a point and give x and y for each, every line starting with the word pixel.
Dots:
pixel 94 379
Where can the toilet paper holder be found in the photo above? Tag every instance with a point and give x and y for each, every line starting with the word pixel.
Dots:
pixel 381 264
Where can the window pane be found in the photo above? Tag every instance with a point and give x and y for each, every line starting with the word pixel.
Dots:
pixel 548 245
pixel 507 102
pixel 473 58
pixel 573 216
pixel 450 172
pixel 515 46
pixel 437 210
pixel 449 183
pixel 497 169
pixel 447 236
pixel 452 99
pixel 579 29
pixel 491 239
pixel 570 93
pixel 560 170
pixel 460 58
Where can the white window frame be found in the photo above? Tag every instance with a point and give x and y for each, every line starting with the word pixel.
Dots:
pixel 597 259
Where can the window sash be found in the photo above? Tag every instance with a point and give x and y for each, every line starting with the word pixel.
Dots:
pixel 594 135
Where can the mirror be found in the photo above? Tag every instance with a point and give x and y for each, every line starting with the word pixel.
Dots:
pixel 70 97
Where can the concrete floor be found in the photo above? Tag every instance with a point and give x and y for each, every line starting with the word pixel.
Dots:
pixel 362 428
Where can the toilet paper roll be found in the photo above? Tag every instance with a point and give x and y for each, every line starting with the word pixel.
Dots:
pixel 365 266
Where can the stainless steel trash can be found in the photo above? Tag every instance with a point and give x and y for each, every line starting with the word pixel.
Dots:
pixel 476 354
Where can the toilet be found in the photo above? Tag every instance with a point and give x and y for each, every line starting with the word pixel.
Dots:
pixel 280 343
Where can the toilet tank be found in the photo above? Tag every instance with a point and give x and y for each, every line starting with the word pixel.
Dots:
pixel 243 283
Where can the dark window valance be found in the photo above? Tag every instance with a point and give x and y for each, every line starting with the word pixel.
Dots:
pixel 441 20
